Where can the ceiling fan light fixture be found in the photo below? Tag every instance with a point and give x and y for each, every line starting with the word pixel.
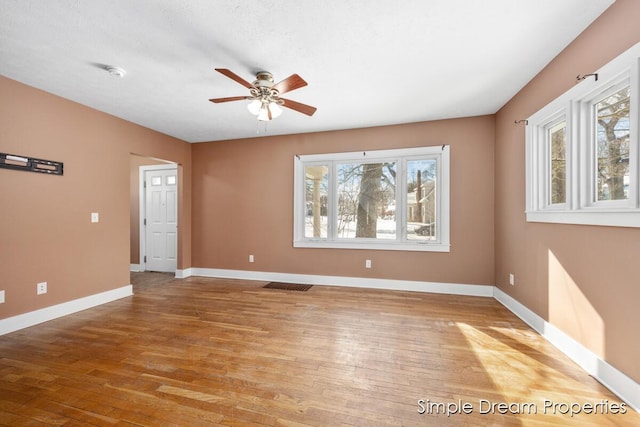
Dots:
pixel 264 109
pixel 254 107
pixel 263 114
pixel 275 110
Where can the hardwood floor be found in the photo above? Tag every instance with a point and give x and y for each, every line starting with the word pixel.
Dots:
pixel 220 352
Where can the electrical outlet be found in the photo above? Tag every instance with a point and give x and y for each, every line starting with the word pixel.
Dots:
pixel 41 288
pixel 251 258
pixel 367 263
pixel 512 279
pixel 1 297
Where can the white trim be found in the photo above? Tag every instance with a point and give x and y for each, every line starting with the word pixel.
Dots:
pixel 183 274
pixel 609 218
pixel 439 153
pixel 616 381
pixel 380 244
pixel 135 268
pixel 21 321
pixel 353 282
pixel 576 107
pixel 142 193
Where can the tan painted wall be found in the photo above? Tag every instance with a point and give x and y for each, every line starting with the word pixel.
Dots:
pixel 583 279
pixel 45 228
pixel 243 204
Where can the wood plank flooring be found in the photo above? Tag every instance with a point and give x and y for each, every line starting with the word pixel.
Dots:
pixel 230 353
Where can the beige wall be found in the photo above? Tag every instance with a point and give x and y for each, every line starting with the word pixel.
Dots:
pixel 243 204
pixel 583 279
pixel 45 228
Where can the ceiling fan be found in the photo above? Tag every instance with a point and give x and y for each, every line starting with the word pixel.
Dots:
pixel 265 95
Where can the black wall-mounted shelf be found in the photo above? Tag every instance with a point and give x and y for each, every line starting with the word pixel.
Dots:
pixel 30 164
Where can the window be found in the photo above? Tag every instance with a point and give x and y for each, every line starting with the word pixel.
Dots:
pixel 558 163
pixel 582 150
pixel 387 199
pixel 612 145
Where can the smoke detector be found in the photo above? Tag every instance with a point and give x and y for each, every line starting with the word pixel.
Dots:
pixel 115 71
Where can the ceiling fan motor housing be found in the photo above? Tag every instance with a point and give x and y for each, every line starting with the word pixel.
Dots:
pixel 263 79
pixel 262 89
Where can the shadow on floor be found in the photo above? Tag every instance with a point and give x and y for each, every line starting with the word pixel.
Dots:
pixel 148 279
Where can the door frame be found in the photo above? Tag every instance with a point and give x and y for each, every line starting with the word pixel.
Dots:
pixel 142 200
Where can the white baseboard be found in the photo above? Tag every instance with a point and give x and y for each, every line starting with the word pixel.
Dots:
pixel 135 267
pixel 12 324
pixel 619 383
pixel 183 274
pixel 353 282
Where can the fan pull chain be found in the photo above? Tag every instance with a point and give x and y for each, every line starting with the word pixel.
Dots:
pixel 258 126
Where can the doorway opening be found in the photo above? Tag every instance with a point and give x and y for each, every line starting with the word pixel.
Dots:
pixel 154 214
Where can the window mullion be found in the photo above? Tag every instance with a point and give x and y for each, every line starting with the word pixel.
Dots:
pixel 541 179
pixel 401 200
pixel 332 203
pixel 584 143
pixel 439 211
pixel 443 198
pixel 540 193
pixel 574 193
pixel 545 194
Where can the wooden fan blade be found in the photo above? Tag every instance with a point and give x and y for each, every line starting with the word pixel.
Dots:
pixel 292 82
pixel 235 77
pixel 230 98
pixel 299 107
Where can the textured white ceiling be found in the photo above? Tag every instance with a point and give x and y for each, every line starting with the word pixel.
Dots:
pixel 367 63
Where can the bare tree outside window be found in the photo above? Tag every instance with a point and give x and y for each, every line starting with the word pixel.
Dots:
pixel 558 163
pixel 366 193
pixel 612 115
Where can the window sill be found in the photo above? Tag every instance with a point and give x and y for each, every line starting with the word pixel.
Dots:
pixel 411 247
pixel 608 218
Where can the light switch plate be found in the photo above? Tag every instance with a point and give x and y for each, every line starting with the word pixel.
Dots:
pixel 95 217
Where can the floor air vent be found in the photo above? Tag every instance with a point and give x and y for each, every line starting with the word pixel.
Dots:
pixel 287 286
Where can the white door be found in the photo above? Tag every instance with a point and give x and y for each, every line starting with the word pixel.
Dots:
pixel 161 220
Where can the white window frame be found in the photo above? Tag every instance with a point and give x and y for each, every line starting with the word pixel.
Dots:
pixel 400 156
pixel 576 107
